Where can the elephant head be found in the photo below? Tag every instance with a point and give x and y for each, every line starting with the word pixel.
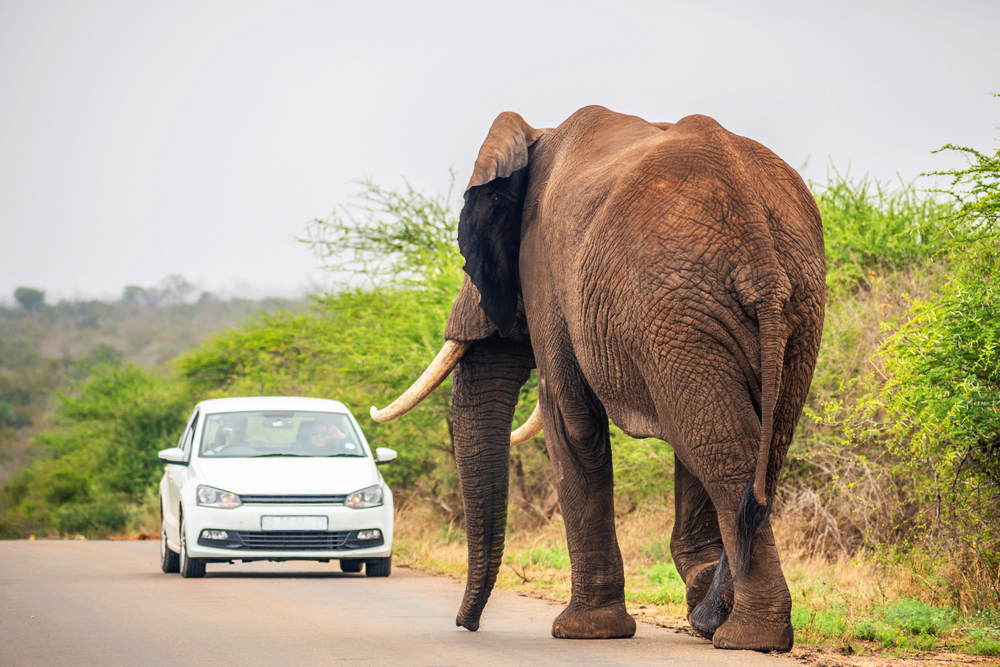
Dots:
pixel 487 338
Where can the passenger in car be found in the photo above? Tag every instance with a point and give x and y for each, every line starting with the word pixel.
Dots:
pixel 320 435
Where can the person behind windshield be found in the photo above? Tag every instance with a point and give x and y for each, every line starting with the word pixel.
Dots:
pixel 319 435
pixel 238 431
pixel 231 432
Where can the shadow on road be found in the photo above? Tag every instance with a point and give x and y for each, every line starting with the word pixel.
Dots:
pixel 281 575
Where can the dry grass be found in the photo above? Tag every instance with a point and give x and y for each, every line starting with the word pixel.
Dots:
pixel 831 597
pixel 535 560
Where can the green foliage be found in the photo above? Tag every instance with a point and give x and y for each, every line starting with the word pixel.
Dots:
pixel 103 455
pixel 361 347
pixel 133 414
pixel 936 405
pixel 644 470
pixel 914 617
pixel 556 558
pixel 908 623
pixel 871 229
pixel 984 641
pixel 401 239
pixel 825 623
pixel 658 551
pixel 668 588
pixel 29 298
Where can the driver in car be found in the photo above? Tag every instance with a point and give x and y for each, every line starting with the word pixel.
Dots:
pixel 231 433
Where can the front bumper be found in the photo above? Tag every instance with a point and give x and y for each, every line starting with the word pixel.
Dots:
pixel 245 539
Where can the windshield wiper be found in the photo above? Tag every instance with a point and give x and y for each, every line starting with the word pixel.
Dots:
pixel 354 456
pixel 262 456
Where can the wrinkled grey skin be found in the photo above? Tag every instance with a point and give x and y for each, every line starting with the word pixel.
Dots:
pixel 669 278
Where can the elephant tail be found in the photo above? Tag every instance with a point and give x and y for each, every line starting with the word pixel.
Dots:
pixel 755 505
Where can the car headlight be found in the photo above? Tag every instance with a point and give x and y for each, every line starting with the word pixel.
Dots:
pixel 370 497
pixel 211 497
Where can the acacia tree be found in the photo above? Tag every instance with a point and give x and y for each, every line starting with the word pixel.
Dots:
pixel 29 298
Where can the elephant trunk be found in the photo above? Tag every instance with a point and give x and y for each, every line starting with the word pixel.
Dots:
pixel 484 394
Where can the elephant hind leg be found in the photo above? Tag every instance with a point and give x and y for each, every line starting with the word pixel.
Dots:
pixel 696 541
pixel 714 609
pixel 576 430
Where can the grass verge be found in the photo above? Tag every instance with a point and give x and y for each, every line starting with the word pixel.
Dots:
pixel 852 611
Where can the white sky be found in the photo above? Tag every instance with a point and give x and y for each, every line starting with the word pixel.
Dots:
pixel 140 139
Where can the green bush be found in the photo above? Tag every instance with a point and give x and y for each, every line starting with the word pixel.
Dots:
pixel 102 518
pixel 361 346
pixel 936 403
pixel 871 229
pixel 102 459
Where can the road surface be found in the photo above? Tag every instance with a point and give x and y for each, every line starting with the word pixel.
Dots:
pixel 107 603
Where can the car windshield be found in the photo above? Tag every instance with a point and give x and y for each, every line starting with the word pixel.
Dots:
pixel 279 433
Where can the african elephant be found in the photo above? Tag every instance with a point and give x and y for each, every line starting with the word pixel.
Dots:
pixel 669 277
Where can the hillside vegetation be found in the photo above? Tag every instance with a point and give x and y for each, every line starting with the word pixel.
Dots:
pixel 888 512
pixel 46 349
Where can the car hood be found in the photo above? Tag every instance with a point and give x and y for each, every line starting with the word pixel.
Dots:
pixel 288 475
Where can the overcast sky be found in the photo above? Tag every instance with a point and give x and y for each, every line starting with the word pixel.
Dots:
pixel 141 139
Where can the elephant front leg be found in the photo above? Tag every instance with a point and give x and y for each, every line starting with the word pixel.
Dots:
pixel 580 450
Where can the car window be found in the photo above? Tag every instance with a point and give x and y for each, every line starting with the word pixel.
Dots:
pixel 279 433
pixel 188 438
pixel 193 419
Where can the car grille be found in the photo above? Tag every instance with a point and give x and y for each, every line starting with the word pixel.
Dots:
pixel 294 500
pixel 293 540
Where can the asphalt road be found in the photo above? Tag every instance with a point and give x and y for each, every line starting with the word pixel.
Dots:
pixel 107 603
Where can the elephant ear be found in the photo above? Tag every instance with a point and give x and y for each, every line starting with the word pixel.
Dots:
pixel 489 228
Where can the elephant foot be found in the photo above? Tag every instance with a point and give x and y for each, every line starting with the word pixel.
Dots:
pixel 708 617
pixel 713 610
pixel 699 581
pixel 754 635
pixel 580 622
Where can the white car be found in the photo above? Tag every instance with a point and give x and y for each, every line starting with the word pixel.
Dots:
pixel 274 478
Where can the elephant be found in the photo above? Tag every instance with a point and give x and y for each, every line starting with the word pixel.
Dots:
pixel 669 277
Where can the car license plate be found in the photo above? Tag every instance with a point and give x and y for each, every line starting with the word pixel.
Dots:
pixel 294 522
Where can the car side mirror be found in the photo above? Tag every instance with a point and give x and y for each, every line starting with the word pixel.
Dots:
pixel 175 455
pixel 384 455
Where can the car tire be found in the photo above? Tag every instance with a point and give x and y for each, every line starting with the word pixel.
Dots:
pixel 378 567
pixel 350 565
pixel 190 568
pixel 170 560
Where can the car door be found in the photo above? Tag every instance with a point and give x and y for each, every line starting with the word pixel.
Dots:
pixel 176 475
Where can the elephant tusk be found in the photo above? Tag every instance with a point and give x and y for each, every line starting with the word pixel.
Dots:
pixel 428 381
pixel 528 429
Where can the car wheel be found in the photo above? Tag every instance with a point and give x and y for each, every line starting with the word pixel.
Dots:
pixel 378 567
pixel 191 568
pixel 169 559
pixel 350 565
